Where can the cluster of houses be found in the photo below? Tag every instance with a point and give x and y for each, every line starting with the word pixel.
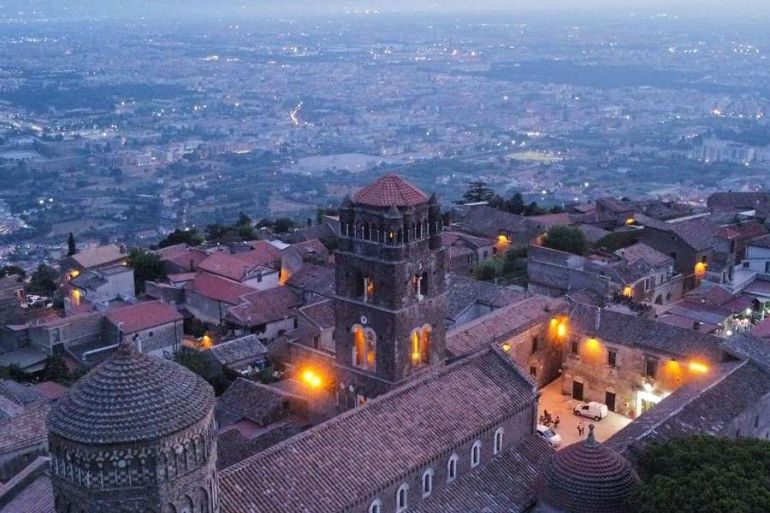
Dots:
pixel 659 327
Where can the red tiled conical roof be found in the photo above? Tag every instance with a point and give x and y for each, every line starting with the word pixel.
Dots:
pixel 131 397
pixel 390 191
pixel 587 477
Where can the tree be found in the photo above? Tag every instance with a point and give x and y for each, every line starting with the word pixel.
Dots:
pixel 43 281
pixel 216 231
pixel 486 271
pixel 566 238
pixel 478 192
pixel 147 267
pixel 191 237
pixel 243 220
pixel 283 225
pixel 12 270
pixel 618 240
pixel 71 246
pixel 704 475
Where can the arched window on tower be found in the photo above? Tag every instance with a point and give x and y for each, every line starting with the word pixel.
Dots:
pixel 368 289
pixel 364 347
pixel 375 506
pixel 421 346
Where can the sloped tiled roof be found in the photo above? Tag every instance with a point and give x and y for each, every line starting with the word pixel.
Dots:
pixel 314 278
pixel 262 253
pixel 390 191
pixel 504 485
pixel 320 313
pixel 101 255
pixel 142 316
pixel 486 221
pixel 698 233
pixel 702 407
pixel 238 349
pixel 131 397
pixel 349 457
pixel 27 429
pixel 641 251
pixel 265 306
pixel 463 292
pixel 501 324
pixel 634 331
pixel 227 266
pixel 219 289
pixel 29 491
pixel 261 404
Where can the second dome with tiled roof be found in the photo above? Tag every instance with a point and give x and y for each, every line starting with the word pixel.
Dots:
pixel 587 477
pixel 390 191
pixel 131 397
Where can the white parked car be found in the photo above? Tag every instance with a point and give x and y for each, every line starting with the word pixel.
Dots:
pixel 549 434
pixel 592 410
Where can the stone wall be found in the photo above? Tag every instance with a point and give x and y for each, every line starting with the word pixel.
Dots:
pixel 173 474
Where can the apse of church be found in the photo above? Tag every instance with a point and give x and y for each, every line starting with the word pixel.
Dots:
pixel 390 299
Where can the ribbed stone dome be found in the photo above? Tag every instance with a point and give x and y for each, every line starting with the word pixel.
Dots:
pixel 587 477
pixel 131 397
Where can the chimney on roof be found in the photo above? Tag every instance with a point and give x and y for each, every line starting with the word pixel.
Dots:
pixel 696 325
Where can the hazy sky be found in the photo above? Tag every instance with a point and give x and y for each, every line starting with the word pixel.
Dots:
pixel 173 8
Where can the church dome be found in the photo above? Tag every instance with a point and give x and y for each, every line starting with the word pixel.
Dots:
pixel 586 477
pixel 390 191
pixel 129 398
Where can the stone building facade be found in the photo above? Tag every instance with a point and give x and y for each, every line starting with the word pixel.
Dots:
pixel 630 363
pixel 390 301
pixel 136 435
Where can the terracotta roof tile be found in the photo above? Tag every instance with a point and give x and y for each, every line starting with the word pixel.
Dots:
pixel 504 485
pixel 265 306
pixel 501 324
pixel 347 458
pixel 227 266
pixel 320 313
pixel 142 316
pixel 390 191
pixel 219 289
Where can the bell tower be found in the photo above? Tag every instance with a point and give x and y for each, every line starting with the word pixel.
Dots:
pixel 390 303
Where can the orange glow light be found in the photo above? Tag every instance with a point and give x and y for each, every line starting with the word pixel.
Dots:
pixel 700 269
pixel 698 367
pixel 630 220
pixel 206 342
pixel 506 347
pixel 503 239
pixel 593 345
pixel 628 291
pixel 311 378
pixel 74 273
pixel 561 330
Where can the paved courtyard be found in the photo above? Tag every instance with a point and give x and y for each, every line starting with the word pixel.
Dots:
pixel 551 399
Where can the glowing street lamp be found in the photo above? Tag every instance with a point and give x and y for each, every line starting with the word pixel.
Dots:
pixel 311 378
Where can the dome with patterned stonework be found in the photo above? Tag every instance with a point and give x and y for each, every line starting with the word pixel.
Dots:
pixel 131 397
pixel 586 477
